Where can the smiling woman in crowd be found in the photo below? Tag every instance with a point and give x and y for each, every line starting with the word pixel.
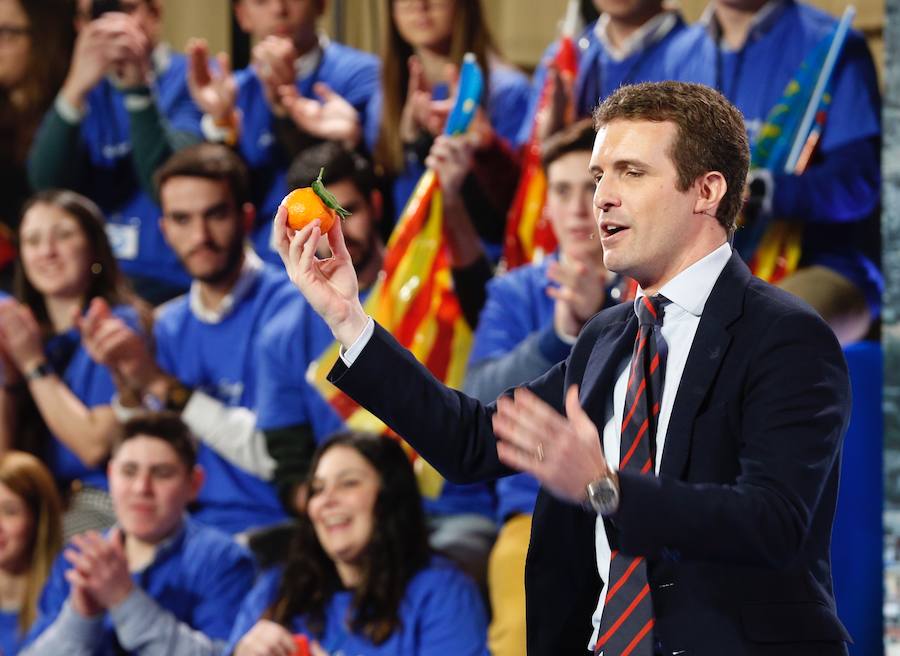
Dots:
pixel 360 578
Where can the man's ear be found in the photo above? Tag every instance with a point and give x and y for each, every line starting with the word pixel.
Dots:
pixel 376 200
pixel 198 476
pixel 711 188
pixel 162 229
pixel 248 212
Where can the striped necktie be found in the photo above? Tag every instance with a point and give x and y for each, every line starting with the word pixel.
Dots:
pixel 626 628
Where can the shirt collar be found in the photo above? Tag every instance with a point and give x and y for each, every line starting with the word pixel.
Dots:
pixel 691 288
pixel 250 271
pixel 762 21
pixel 307 63
pixel 168 544
pixel 651 32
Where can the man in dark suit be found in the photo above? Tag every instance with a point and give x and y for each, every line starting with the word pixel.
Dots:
pixel 697 476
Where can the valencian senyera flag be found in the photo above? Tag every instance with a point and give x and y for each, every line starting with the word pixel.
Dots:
pixel 529 235
pixel 785 143
pixel 413 297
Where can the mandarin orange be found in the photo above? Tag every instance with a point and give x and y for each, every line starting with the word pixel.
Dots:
pixel 304 205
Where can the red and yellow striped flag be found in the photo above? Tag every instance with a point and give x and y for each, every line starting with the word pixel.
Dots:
pixel 413 298
pixel 529 235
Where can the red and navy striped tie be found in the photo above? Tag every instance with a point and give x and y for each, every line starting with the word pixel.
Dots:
pixel 627 625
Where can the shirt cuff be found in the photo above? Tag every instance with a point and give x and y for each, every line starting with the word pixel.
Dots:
pixel 68 112
pixel 349 355
pixel 78 628
pixel 132 615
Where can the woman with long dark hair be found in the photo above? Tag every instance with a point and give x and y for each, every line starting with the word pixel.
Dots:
pixel 30 539
pixel 360 578
pixel 55 400
pixel 31 72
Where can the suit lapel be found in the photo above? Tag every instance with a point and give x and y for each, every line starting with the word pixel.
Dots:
pixel 711 341
pixel 613 343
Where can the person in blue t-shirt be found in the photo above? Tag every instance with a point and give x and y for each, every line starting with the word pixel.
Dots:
pixel 209 342
pixel 360 578
pixel 58 399
pixel 628 44
pixel 30 539
pixel 460 516
pixel 750 50
pixel 422 50
pixel 157 583
pixel 102 137
pixel 300 88
pixel 529 323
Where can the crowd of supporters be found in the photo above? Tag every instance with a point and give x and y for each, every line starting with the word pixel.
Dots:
pixel 171 481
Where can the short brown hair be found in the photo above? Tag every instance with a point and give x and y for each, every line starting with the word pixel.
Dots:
pixel 211 162
pixel 575 138
pixel 166 426
pixel 711 134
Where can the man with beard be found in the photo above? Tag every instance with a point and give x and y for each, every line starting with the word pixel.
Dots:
pixel 209 341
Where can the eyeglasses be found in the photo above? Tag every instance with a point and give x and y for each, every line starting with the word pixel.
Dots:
pixel 9 33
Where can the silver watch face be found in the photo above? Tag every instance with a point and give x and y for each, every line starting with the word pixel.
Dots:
pixel 603 496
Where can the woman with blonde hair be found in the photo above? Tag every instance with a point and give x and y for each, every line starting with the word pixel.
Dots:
pixel 30 539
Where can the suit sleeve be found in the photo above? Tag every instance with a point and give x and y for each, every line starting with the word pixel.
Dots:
pixel 450 430
pixel 792 415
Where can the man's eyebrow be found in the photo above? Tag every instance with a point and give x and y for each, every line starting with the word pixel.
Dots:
pixel 620 164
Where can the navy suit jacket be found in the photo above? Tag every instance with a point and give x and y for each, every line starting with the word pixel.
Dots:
pixel 736 528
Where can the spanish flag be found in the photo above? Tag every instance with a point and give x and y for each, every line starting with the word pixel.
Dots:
pixel 413 297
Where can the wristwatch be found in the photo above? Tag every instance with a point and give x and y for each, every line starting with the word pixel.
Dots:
pixel 603 494
pixel 41 370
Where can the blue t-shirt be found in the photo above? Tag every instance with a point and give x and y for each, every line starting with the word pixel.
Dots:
pixel 506 104
pixel 93 385
pixel 441 613
pixel 132 215
pixel 838 193
pixel 200 575
pixel 296 335
pixel 351 73
pixel 599 74
pixel 10 640
pixel 223 361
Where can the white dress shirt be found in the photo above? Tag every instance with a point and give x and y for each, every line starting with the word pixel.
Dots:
pixel 688 292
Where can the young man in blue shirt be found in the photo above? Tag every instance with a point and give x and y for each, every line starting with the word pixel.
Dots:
pixel 209 342
pixel 124 89
pixel 158 582
pixel 627 44
pixel 298 78
pixel 528 324
pixel 750 50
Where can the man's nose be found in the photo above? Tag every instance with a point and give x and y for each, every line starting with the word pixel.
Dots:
pixel 605 195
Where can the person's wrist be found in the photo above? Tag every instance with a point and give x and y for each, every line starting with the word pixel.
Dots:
pixel 120 593
pixel 602 493
pixel 349 330
pixel 74 92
